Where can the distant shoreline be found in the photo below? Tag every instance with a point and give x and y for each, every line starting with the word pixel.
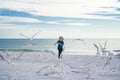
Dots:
pixel 57 38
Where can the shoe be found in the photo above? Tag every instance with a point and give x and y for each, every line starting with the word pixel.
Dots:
pixel 60 59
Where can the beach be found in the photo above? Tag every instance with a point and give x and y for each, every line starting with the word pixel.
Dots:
pixel 46 66
pixel 59 39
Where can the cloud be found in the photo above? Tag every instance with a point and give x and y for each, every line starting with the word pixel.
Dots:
pixel 13 27
pixel 64 8
pixel 7 26
pixel 18 28
pixel 78 24
pixel 7 19
pixel 51 22
pixel 68 22
pixel 4 27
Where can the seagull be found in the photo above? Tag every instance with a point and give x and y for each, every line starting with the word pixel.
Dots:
pixel 105 44
pixel 30 38
pixel 103 47
pixel 82 41
pixel 7 60
pixel 2 57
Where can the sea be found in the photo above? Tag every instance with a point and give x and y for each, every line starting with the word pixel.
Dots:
pixel 72 46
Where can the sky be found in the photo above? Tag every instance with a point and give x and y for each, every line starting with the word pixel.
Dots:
pixel 54 18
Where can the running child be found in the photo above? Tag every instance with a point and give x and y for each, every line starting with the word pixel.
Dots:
pixel 60 43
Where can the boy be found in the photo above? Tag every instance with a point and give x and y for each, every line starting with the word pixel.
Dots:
pixel 60 43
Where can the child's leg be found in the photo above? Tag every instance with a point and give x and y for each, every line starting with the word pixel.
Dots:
pixel 59 53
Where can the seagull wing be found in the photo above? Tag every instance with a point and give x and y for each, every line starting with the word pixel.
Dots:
pixel 2 57
pixel 34 35
pixel 83 42
pixel 105 44
pixel 24 36
pixel 96 45
pixel 100 46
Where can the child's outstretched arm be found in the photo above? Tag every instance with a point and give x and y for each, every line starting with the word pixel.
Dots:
pixel 55 43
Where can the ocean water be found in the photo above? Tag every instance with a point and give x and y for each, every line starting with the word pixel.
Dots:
pixel 71 45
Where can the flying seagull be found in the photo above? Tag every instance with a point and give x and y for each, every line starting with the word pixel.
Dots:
pixel 82 41
pixel 31 38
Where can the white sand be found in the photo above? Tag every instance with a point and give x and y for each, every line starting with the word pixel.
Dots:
pixel 46 66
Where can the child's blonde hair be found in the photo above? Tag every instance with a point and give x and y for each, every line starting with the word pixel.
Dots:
pixel 61 38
